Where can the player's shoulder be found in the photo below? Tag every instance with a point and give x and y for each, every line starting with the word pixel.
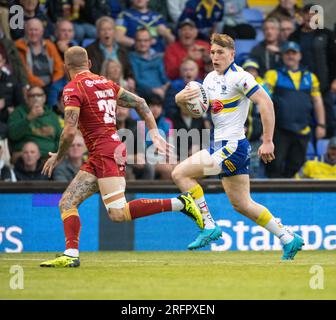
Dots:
pixel 209 77
pixel 237 73
pixel 241 79
pixel 70 87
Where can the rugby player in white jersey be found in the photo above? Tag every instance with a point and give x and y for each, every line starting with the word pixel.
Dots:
pixel 230 88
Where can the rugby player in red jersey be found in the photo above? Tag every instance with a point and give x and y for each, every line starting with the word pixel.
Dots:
pixel 90 103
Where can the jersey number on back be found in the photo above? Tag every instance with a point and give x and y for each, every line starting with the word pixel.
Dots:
pixel 109 108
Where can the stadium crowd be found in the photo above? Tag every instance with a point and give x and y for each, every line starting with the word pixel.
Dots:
pixel 153 48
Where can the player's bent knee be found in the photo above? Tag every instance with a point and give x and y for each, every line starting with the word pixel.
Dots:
pixel 177 174
pixel 116 206
pixel 116 215
pixel 239 206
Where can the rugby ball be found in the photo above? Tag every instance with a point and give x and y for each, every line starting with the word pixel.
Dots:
pixel 198 106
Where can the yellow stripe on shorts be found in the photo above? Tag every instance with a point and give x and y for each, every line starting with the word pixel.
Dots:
pixel 230 165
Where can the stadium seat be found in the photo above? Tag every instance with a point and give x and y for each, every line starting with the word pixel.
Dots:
pixel 310 153
pixel 260 35
pixel 244 46
pixel 321 147
pixel 253 16
pixel 87 41
pixel 241 58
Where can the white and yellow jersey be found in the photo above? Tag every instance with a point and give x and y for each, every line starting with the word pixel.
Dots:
pixel 229 103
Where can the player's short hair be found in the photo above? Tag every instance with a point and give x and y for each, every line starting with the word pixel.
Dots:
pixel 222 40
pixel 103 19
pixel 76 57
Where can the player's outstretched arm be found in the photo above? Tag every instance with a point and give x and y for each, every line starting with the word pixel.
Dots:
pixel 128 99
pixel 71 115
pixel 266 109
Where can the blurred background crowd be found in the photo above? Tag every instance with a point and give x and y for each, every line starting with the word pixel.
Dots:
pixel 153 48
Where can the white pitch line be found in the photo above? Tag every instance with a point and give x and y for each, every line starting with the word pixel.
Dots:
pixel 10 259
pixel 123 261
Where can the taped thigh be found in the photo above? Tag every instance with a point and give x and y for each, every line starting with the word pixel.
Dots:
pixel 115 200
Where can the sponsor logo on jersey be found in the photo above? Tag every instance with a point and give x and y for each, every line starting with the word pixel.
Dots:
pixel 91 83
pixel 217 106
pixel 115 137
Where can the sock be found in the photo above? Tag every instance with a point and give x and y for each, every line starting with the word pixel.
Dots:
pixel 72 226
pixel 72 253
pixel 146 207
pixel 198 195
pixel 177 204
pixel 267 221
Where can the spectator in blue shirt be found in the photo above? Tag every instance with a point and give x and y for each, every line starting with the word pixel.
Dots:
pixel 139 16
pixel 296 95
pixel 115 8
pixel 147 66
pixel 205 13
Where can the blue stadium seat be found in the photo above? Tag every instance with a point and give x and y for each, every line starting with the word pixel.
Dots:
pixel 254 17
pixel 260 35
pixel 321 147
pixel 241 58
pixel 310 153
pixel 244 46
pixel 87 41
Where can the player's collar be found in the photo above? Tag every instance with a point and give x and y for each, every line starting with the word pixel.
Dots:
pixel 82 72
pixel 230 67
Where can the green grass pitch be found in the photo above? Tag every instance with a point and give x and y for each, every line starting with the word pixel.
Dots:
pixel 172 275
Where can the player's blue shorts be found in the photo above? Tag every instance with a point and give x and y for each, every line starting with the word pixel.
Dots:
pixel 233 156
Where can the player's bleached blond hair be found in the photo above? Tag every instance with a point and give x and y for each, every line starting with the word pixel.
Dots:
pixel 223 40
pixel 76 58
